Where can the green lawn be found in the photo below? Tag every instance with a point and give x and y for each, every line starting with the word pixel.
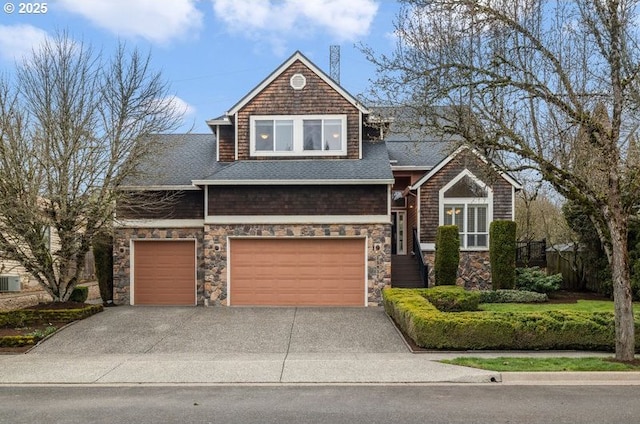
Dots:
pixel 581 305
pixel 505 364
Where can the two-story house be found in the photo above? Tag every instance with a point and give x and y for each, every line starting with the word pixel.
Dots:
pixel 293 199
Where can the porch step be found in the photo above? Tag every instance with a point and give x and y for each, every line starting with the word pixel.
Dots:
pixel 404 272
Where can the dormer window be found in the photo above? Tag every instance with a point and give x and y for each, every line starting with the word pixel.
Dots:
pixel 298 135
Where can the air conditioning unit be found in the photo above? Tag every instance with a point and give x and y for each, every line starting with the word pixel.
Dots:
pixel 9 283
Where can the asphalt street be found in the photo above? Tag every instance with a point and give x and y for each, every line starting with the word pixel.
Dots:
pixel 363 404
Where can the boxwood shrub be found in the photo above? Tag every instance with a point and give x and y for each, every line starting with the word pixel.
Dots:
pixel 447 256
pixel 535 279
pixel 79 294
pixel 452 298
pixel 433 329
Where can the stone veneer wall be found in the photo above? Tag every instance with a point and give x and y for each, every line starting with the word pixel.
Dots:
pixel 121 256
pixel 378 251
pixel 474 271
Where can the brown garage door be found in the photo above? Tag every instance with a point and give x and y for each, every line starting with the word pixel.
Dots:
pixel 300 272
pixel 164 273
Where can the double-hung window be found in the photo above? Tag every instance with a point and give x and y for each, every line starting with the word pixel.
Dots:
pixel 472 222
pixel 298 135
pixel 466 203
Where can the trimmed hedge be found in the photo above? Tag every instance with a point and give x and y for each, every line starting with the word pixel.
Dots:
pixel 26 317
pixel 432 329
pixel 447 255
pixel 512 296
pixel 26 339
pixel 452 298
pixel 502 254
pixel 19 341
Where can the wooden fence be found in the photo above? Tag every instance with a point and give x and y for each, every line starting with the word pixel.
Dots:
pixel 577 274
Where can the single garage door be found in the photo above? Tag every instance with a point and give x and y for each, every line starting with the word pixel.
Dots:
pixel 297 272
pixel 164 273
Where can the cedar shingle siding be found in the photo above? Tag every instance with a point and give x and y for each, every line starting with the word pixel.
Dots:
pixel 226 143
pixel 181 205
pixel 429 192
pixel 298 200
pixel 316 98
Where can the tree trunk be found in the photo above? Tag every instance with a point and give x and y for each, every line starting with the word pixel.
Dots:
pixel 622 296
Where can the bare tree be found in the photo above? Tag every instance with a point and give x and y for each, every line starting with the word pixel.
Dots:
pixel 538 217
pixel 545 87
pixel 74 124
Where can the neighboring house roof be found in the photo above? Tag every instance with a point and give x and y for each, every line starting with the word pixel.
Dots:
pixel 373 168
pixel 566 247
pixel 296 56
pixel 181 158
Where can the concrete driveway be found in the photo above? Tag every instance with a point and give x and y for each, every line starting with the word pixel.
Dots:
pixel 167 345
pixel 175 330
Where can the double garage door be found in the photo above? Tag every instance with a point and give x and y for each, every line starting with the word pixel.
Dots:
pixel 267 272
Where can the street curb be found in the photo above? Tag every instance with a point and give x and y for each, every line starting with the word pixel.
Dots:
pixel 630 378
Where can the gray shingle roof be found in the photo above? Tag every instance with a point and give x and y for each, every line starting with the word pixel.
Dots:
pixel 184 158
pixel 423 154
pixel 179 159
pixel 410 141
pixel 374 165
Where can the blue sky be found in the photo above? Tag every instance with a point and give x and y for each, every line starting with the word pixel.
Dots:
pixel 212 52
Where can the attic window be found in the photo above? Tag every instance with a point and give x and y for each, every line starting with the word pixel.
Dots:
pixel 298 81
pixel 466 187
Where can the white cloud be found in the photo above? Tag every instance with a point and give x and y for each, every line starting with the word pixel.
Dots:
pixel 178 107
pixel 17 41
pixel 277 21
pixel 158 22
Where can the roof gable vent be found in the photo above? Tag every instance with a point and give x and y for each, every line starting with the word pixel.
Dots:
pixel 298 81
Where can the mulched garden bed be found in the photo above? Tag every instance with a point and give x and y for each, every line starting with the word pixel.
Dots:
pixel 564 296
pixel 57 305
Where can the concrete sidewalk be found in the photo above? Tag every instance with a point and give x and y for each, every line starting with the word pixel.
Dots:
pixel 152 345
pixel 294 368
pixel 242 368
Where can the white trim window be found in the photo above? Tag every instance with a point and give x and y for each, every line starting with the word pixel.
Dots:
pixel 467 202
pixel 472 223
pixel 298 135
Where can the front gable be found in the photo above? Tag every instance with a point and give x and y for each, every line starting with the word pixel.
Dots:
pixel 461 181
pixel 296 94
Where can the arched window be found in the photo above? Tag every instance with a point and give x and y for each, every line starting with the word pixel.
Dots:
pixel 467 202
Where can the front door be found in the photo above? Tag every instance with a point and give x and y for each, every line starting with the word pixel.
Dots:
pixel 399 232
